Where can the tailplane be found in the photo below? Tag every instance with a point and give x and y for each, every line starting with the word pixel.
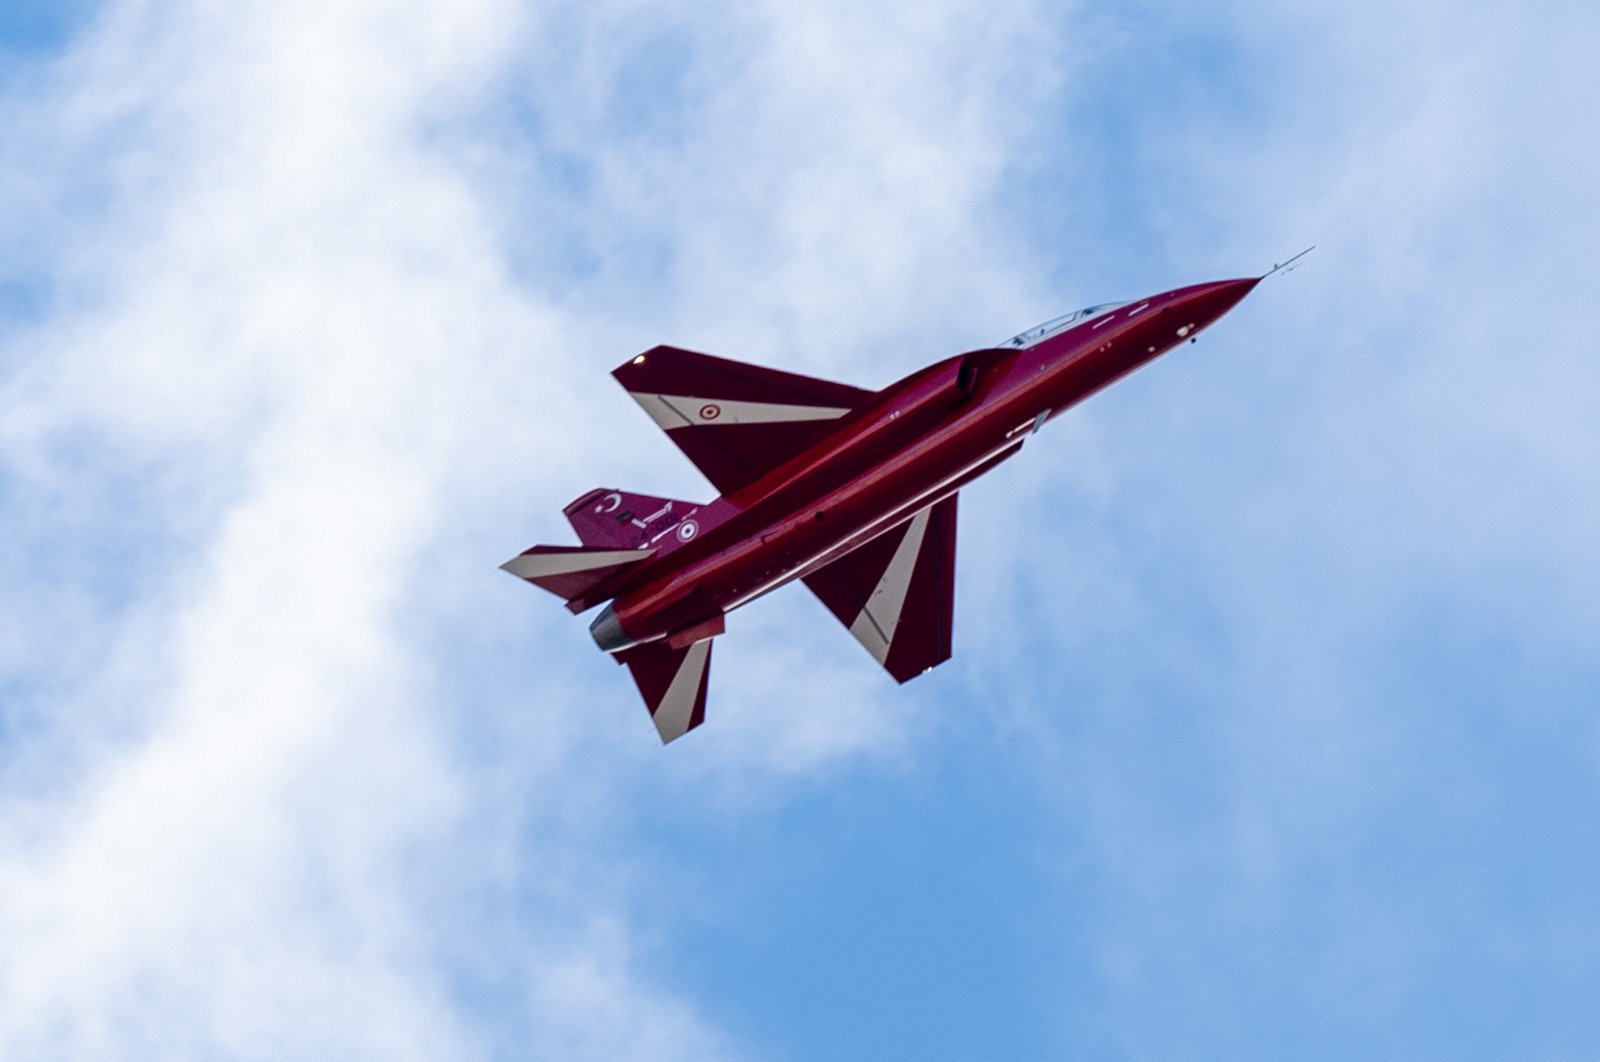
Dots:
pixel 673 682
pixel 570 572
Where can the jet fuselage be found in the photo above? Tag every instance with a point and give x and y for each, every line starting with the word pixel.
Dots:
pixel 919 442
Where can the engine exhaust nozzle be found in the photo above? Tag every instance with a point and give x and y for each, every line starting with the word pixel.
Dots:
pixel 608 633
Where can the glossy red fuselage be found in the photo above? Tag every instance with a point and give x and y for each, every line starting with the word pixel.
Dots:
pixel 919 441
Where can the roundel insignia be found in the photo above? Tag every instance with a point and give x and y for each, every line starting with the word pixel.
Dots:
pixel 710 411
pixel 687 530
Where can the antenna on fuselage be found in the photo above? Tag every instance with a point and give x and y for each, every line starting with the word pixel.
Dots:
pixel 1289 266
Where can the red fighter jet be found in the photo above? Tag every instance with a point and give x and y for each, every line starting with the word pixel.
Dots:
pixel 852 492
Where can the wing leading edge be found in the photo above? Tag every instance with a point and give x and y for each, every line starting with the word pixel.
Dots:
pixel 896 594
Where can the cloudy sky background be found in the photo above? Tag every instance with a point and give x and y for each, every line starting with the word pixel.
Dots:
pixel 1272 726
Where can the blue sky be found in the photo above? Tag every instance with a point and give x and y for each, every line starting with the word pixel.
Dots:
pixel 1272 725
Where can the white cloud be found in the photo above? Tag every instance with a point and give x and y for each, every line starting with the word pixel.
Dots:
pixel 287 409
pixel 1347 549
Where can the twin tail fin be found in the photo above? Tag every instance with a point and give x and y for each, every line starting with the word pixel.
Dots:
pixel 615 519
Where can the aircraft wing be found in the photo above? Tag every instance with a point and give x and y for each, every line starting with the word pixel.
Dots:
pixel 896 594
pixel 734 421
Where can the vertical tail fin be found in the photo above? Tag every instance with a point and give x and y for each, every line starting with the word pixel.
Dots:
pixel 615 519
pixel 673 682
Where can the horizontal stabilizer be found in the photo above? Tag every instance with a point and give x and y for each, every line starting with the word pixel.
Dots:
pixel 673 683
pixel 734 421
pixel 571 571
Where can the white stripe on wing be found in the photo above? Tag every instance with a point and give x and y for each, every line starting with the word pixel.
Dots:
pixel 687 411
pixel 880 616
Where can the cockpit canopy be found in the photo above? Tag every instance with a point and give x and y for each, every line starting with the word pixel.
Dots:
pixel 1051 327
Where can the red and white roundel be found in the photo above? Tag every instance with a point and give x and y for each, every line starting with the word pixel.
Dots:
pixel 687 530
pixel 710 411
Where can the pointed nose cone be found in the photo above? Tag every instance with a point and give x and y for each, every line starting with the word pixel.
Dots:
pixel 1205 303
pixel 1226 294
